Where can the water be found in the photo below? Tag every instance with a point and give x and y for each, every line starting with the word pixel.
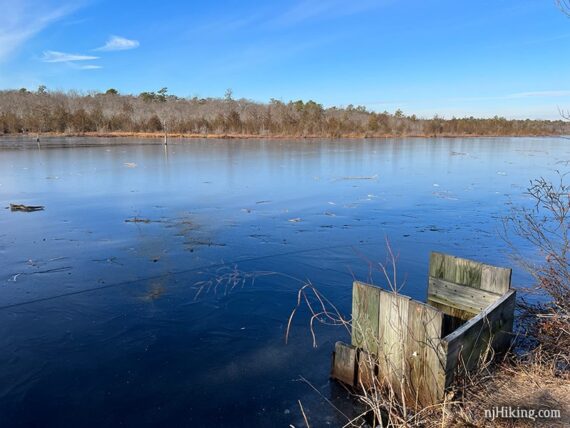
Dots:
pixel 109 314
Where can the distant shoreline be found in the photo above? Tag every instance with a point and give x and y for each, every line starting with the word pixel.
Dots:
pixel 232 136
pixel 151 114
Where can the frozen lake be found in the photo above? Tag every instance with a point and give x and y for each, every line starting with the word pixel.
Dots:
pixel 109 312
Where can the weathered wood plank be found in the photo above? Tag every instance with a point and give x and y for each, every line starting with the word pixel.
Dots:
pixel 365 311
pixel 470 273
pixel 455 313
pixel 505 301
pixel 454 309
pixel 438 364
pixel 463 272
pixel 496 279
pixel 490 329
pixel 434 358
pixel 424 362
pixel 383 320
pixel 415 350
pixel 393 333
pixel 459 296
pixel 436 265
pixel 344 363
pixel 450 288
pixel 455 269
pixel 467 272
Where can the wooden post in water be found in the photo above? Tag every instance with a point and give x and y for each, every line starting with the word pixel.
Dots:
pixel 165 145
pixel 344 363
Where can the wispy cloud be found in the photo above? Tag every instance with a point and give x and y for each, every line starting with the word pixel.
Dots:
pixel 55 56
pixel 221 26
pixel 117 43
pixel 71 60
pixel 89 67
pixel 504 97
pixel 304 11
pixel 263 54
pixel 22 20
pixel 541 94
pixel 308 10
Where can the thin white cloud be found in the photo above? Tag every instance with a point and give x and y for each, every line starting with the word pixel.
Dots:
pixel 308 10
pixel 541 94
pixel 261 54
pixel 117 43
pixel 531 94
pixel 55 56
pixel 221 26
pixel 90 67
pixel 304 11
pixel 22 20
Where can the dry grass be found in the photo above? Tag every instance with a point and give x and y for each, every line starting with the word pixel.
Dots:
pixel 227 279
pixel 530 383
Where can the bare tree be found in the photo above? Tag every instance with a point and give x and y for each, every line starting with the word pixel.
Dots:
pixel 74 112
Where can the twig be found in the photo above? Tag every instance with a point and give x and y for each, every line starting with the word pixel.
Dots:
pixel 304 415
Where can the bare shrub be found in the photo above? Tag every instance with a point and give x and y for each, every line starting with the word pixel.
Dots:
pixel 546 227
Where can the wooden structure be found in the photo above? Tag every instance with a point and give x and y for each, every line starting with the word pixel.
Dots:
pixel 419 348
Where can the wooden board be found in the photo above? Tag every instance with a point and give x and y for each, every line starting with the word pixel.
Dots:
pixel 480 282
pixel 496 279
pixel 392 333
pixel 476 297
pixel 454 269
pixel 490 329
pixel 425 360
pixel 344 363
pixel 452 295
pixel 365 311
pixel 469 273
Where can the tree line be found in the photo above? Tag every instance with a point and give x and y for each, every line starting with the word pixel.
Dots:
pixel 42 111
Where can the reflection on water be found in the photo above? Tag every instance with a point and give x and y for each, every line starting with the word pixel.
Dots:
pixel 142 294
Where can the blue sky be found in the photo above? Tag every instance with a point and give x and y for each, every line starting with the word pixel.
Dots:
pixel 446 57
